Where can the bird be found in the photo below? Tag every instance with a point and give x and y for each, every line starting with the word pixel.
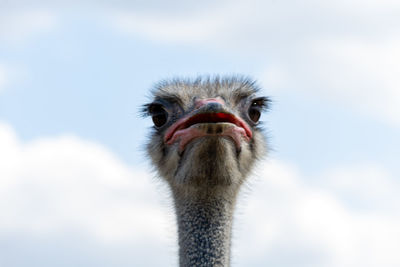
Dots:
pixel 205 140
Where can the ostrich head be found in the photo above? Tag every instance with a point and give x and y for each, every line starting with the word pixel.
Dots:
pixel 206 132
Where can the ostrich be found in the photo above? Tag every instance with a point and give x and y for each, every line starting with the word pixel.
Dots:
pixel 205 140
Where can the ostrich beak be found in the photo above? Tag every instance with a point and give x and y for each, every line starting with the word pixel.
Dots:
pixel 210 118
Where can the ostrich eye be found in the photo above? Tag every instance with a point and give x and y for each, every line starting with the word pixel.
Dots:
pixel 254 114
pixel 255 109
pixel 158 114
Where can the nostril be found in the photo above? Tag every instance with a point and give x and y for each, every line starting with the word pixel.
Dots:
pixel 213 107
pixel 201 102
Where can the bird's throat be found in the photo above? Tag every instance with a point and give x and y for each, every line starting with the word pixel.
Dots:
pixel 204 228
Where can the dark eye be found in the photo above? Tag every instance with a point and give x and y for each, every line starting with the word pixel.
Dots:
pixel 255 109
pixel 254 114
pixel 158 114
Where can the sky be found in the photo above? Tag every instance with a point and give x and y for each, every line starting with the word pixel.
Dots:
pixel 76 188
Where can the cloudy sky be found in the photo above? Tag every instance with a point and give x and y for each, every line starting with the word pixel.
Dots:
pixel 77 190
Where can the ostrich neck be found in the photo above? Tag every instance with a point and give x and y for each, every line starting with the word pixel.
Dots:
pixel 204 228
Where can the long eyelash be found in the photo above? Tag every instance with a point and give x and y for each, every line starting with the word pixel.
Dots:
pixel 265 101
pixel 144 110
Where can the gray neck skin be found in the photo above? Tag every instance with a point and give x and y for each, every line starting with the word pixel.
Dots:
pixel 204 228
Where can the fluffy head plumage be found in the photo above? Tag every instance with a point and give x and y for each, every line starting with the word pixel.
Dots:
pixel 209 161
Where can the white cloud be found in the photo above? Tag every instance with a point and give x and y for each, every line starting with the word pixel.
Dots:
pixel 360 75
pixel 229 23
pixel 55 185
pixel 288 222
pixel 367 186
pixel 65 185
pixel 185 27
pixel 18 25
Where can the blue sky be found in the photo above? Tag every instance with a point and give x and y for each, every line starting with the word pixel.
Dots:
pixel 76 187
